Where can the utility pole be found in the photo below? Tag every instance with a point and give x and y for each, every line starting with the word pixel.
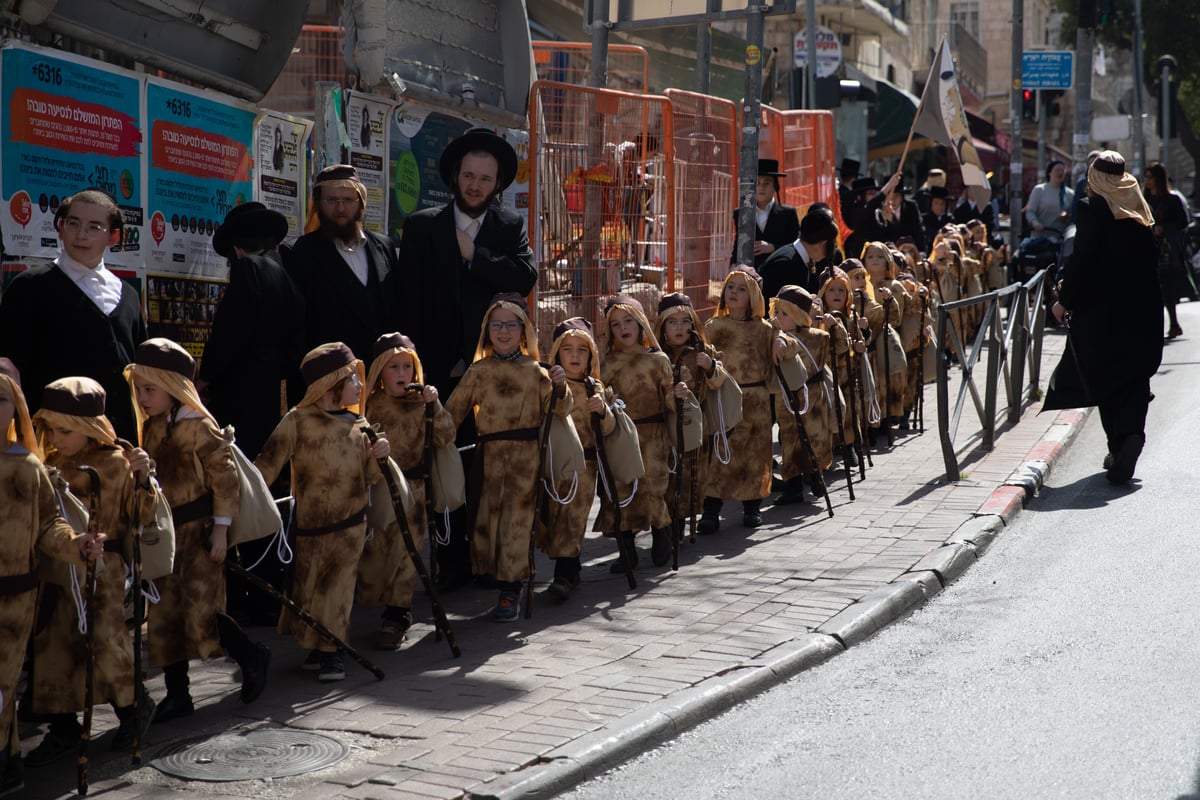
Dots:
pixel 1015 168
pixel 810 44
pixel 1139 133
pixel 751 113
pixel 1085 38
pixel 704 51
pixel 1166 65
pixel 590 273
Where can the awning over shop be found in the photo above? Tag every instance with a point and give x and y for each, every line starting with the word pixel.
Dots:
pixel 890 121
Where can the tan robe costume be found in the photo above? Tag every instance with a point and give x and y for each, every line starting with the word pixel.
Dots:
pixel 839 337
pixel 699 384
pixel 331 470
pixel 59 650
pixel 746 347
pixel 561 536
pixel 30 527
pixel 192 460
pixel 888 385
pixel 818 419
pixel 643 380
pixel 912 328
pixel 506 396
pixel 386 574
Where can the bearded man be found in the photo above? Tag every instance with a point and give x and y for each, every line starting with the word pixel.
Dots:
pixel 453 260
pixel 345 274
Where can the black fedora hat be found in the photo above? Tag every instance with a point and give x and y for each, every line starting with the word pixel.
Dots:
pixel 863 184
pixel 479 139
pixel 769 168
pixel 248 220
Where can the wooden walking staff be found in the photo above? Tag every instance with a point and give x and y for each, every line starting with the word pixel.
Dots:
pixel 847 319
pixel 676 519
pixel 139 611
pixel 439 614
pixel 85 733
pixel 802 432
pixel 540 498
pixel 430 523
pixel 862 387
pixel 922 341
pixel 610 483
pixel 887 376
pixel 837 411
pixel 694 458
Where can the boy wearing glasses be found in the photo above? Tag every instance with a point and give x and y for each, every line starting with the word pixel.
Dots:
pixel 345 273
pixel 75 317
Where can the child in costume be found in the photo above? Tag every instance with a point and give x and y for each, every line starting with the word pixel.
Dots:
pixel 877 258
pixel 195 469
pixel 509 392
pixel 792 311
pixel 73 431
pixel 332 465
pixel 639 373
pixel 386 573
pixel 30 528
pixel 561 538
pixel 847 346
pixel 915 327
pixel 750 347
pixel 678 329
pixel 870 316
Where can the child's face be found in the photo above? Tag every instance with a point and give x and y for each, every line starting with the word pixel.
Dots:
pixel 911 251
pixel 626 331
pixel 737 296
pixel 66 442
pixel 351 391
pixel 677 330
pixel 835 297
pixel 875 260
pixel 785 320
pixel 152 398
pixel 85 233
pixel 574 355
pixel 8 409
pixel 858 280
pixel 398 374
pixel 504 331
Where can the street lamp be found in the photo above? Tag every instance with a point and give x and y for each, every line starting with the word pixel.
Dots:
pixel 1165 65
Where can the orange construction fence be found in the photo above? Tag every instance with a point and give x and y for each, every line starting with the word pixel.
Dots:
pixel 315 57
pixel 803 144
pixel 571 62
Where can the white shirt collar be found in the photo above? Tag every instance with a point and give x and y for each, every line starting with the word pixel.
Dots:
pixel 803 251
pixel 760 214
pixel 355 257
pixel 99 284
pixel 463 221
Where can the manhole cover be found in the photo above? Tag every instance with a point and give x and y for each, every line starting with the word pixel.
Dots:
pixel 250 755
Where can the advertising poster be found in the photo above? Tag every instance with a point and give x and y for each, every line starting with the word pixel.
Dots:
pixel 182 309
pixel 200 164
pixel 367 124
pixel 281 158
pixel 69 123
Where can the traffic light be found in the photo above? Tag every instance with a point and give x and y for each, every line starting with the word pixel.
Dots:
pixel 1051 103
pixel 1029 104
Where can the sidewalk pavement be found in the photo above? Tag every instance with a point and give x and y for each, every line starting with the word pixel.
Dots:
pixel 534 707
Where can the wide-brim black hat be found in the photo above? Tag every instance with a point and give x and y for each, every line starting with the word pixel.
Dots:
pixel 769 168
pixel 863 185
pixel 479 139
pixel 248 220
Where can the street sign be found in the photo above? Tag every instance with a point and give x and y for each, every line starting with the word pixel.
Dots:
pixel 1047 69
pixel 1110 129
pixel 829 51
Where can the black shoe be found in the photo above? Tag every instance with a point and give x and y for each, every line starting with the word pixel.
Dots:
pixel 254 673
pixel 332 668
pixel 849 456
pixel 790 497
pixel 817 486
pixel 12 780
pixel 1108 461
pixel 618 567
pixel 752 520
pixel 173 706
pixel 560 589
pixel 709 523
pixel 1125 458
pixel 660 548
pixel 52 748
pixel 903 423
pixel 123 740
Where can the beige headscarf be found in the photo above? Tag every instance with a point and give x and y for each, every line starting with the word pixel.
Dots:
pixel 577 328
pixel 77 405
pixel 748 275
pixel 796 302
pixel 633 307
pixel 20 430
pixel 171 368
pixel 678 304
pixel 324 367
pixel 1108 179
pixel 386 348
pixel 509 301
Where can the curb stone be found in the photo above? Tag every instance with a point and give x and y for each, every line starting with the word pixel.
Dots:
pixel 591 755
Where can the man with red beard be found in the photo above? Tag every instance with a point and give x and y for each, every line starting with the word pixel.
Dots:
pixel 453 260
pixel 345 274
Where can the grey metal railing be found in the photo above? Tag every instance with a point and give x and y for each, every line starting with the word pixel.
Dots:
pixel 1014 348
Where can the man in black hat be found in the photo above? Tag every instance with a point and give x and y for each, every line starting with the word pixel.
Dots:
pixel 846 177
pixel 774 223
pixel 256 338
pixel 799 263
pixel 453 260
pixel 937 216
pixel 345 274
pixel 865 217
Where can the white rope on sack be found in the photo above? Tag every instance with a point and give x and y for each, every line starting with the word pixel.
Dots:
pixel 874 413
pixel 721 438
pixel 80 603
pixel 551 491
pixel 283 548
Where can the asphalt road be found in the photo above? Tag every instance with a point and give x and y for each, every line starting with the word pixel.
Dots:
pixel 1066 663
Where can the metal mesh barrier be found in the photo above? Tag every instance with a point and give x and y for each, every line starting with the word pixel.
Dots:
pixel 571 62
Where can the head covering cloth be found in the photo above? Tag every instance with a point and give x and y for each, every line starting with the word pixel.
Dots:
pixel 577 328
pixel 169 367
pixel 758 305
pixel 678 304
pixel 76 405
pixel 335 176
pixel 855 268
pixel 387 347
pixel 796 302
pixel 324 367
pixel 633 307
pixel 20 430
pixel 510 301
pixel 1107 178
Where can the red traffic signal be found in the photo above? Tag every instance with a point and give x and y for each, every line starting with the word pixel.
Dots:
pixel 1029 104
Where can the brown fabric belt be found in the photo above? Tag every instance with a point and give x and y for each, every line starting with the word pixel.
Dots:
pixel 18 584
pixel 816 377
pixel 348 522
pixel 589 453
pixel 417 473
pixel 754 385
pixel 191 511
pixel 513 435
pixel 659 417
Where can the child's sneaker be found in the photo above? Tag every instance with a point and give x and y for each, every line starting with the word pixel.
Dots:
pixel 313 662
pixel 508 608
pixel 332 668
pixel 560 589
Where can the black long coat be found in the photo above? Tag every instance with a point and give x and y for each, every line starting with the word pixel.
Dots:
pixel 256 341
pixel 51 329
pixel 337 307
pixel 783 227
pixel 1110 286
pixel 785 266
pixel 443 298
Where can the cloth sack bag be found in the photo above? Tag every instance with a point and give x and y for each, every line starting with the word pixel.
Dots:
pixel 794 374
pixel 722 407
pixel 693 424
pixel 72 509
pixel 258 515
pixel 448 480
pixel 158 538
pixel 623 448
pixel 565 459
pixel 380 510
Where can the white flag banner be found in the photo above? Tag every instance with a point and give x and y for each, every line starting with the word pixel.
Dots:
pixel 941 117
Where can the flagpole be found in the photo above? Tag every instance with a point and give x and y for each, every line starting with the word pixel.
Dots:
pixel 921 105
